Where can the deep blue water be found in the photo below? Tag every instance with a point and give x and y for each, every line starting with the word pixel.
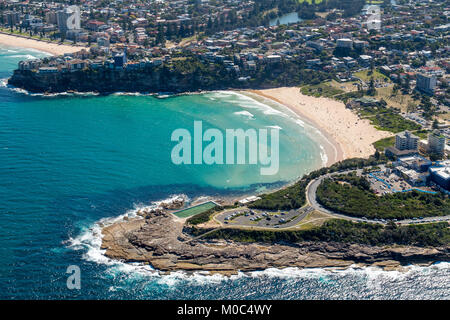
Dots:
pixel 68 161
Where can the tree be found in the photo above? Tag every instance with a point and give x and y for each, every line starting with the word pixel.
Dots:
pixel 435 124
pixel 371 91
pixel 377 155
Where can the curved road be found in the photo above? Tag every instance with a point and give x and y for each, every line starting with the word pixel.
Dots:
pixel 311 190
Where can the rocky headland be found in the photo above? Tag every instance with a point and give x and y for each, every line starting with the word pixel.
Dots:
pixel 158 239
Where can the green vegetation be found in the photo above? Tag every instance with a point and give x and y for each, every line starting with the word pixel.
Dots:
pixel 345 97
pixel 343 231
pixel 261 13
pixel 355 198
pixel 190 74
pixel 204 216
pixel 320 90
pixel 286 73
pixel 215 76
pixel 382 144
pixel 366 75
pixel 389 120
pixel 310 1
pixel 422 134
pixel 195 210
pixel 384 118
pixel 288 198
pixel 293 197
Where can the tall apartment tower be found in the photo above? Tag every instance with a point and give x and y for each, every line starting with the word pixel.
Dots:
pixel 69 19
pixel 426 83
pixel 406 141
pixel 436 143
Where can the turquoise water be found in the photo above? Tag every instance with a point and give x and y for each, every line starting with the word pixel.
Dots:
pixel 67 162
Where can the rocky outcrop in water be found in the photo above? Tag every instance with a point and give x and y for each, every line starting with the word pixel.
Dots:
pixel 158 240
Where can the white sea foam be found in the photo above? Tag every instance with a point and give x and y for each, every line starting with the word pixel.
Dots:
pixel 4 83
pixel 135 94
pixel 373 276
pixel 245 114
pixel 300 122
pixel 10 50
pixel 323 155
pixel 268 108
pixel 244 101
pixel 19 90
pixel 199 277
pixel 90 239
pixel 24 56
pixel 13 49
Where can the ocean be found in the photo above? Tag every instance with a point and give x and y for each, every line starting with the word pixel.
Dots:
pixel 70 161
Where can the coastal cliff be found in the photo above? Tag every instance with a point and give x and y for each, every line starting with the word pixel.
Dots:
pixel 179 76
pixel 159 240
pixel 106 81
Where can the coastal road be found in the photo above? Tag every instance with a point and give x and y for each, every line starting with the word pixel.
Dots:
pixel 311 196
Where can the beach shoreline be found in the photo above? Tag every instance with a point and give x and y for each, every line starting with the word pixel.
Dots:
pixel 331 147
pixel 351 136
pixel 19 41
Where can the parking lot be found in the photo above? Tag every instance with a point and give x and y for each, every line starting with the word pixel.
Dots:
pixel 391 183
pixel 260 218
pixel 380 187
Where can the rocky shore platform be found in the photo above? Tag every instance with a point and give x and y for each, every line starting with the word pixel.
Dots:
pixel 159 240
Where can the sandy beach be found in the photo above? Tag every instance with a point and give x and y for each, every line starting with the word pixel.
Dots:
pixel 23 42
pixel 352 136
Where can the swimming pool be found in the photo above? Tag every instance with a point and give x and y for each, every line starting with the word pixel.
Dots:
pixel 202 207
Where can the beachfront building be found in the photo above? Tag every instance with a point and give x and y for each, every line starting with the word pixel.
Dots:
pixel 413 177
pixel 405 145
pixel 120 59
pixel 426 83
pixel 51 17
pixel 32 22
pixel 406 141
pixel 11 18
pixel 344 43
pixel 365 60
pixel 441 176
pixel 68 19
pixel 436 143
pixel 414 162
